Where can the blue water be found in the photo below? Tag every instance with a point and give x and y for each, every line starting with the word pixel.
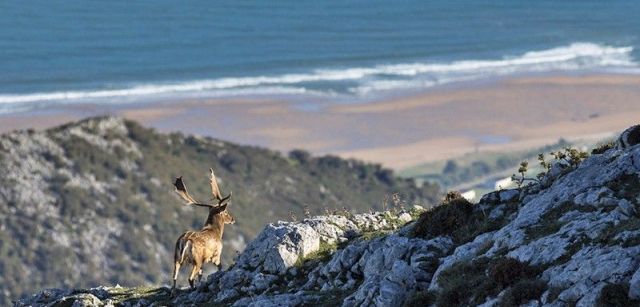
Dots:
pixel 120 51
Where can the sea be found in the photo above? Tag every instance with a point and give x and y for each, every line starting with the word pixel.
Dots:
pixel 87 51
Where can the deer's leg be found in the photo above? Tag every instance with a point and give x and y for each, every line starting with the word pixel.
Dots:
pixel 200 276
pixel 194 272
pixel 216 261
pixel 176 270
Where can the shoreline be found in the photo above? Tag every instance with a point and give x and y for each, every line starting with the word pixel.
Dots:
pixel 505 114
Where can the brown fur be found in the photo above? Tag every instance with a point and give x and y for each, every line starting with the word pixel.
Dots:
pixel 203 246
pixel 199 247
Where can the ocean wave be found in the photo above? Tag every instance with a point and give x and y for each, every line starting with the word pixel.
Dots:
pixel 362 80
pixel 577 56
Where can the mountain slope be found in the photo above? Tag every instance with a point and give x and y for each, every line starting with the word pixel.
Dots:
pixel 570 239
pixel 92 203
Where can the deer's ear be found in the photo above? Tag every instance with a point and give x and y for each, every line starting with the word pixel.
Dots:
pixel 225 201
pixel 222 208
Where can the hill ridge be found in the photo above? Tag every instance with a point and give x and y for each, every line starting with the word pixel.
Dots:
pixel 92 202
pixel 569 239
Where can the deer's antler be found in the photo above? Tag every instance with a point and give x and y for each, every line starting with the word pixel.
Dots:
pixel 181 189
pixel 215 190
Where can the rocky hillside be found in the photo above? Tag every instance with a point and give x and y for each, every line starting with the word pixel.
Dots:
pixel 92 202
pixel 570 238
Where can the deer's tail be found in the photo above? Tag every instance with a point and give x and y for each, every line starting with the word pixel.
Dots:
pixel 182 246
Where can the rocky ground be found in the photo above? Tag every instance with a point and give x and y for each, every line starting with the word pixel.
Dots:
pixel 92 203
pixel 570 238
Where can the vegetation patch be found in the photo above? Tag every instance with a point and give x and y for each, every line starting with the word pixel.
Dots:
pixel 522 292
pixel 455 212
pixel 608 235
pixel 616 295
pixel 370 235
pixel 132 295
pixel 602 148
pixel 549 223
pixel 485 247
pixel 420 299
pixel 323 254
pixel 332 298
pixel 570 250
pixel 543 229
pixel 507 271
pixel 120 296
pixel 471 283
pixel 456 217
pixel 554 293
pixel 463 282
pixel 568 158
pixel 626 186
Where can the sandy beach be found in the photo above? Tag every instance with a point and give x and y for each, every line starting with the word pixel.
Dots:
pixel 508 114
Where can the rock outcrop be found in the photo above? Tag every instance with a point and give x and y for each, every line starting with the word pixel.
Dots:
pixel 91 202
pixel 572 238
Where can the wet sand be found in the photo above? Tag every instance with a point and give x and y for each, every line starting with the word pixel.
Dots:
pixel 509 114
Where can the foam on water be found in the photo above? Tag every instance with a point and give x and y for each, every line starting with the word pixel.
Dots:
pixel 362 81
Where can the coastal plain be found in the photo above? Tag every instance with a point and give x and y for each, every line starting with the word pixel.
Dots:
pixel 500 115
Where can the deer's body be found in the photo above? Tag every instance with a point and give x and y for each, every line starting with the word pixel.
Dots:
pixel 199 247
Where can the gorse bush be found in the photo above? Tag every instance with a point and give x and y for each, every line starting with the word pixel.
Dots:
pixel 569 158
pixel 453 214
pixel 458 218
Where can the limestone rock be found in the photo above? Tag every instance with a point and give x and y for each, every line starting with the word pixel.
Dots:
pixel 629 137
pixel 634 285
pixel 580 226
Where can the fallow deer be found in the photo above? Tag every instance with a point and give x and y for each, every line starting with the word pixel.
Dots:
pixel 199 247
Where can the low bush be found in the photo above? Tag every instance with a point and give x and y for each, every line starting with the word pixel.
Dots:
pixel 457 218
pixel 602 148
pixel 424 298
pixel 616 295
pixel 522 292
pixel 471 283
pixel 452 214
pixel 465 283
pixel 507 271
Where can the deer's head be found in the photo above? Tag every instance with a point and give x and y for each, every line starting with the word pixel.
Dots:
pixel 216 208
pixel 221 210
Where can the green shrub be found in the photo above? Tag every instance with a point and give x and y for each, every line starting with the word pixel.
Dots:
pixel 602 148
pixel 471 283
pixel 507 271
pixel 300 156
pixel 626 186
pixel 457 218
pixel 465 283
pixel 444 219
pixel 522 292
pixel 423 298
pixel 616 295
